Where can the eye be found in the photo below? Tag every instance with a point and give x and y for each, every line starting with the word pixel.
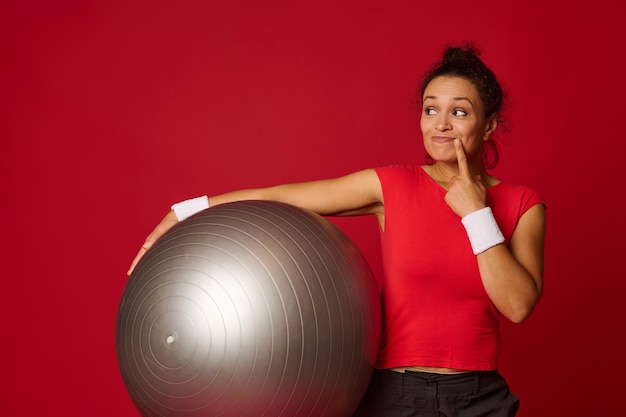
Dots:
pixel 429 111
pixel 459 112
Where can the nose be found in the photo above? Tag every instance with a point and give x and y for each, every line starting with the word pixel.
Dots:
pixel 443 122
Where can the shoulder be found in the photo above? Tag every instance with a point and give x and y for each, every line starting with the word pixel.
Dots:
pixel 407 184
pixel 509 189
pixel 516 197
pixel 391 172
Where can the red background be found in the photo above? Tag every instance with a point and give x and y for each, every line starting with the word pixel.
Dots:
pixel 111 111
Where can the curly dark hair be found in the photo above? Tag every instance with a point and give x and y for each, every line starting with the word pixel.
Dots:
pixel 464 61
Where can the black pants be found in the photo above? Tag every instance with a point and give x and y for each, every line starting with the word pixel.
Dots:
pixel 422 394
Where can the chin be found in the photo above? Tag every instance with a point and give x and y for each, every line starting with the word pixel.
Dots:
pixel 443 159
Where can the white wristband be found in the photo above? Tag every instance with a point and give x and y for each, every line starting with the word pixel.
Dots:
pixel 188 208
pixel 482 230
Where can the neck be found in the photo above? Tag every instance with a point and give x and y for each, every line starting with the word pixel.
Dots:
pixel 442 172
pixel 446 170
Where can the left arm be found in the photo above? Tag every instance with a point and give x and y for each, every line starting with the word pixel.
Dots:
pixel 513 275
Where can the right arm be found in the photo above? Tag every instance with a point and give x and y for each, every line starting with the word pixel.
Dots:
pixel 354 194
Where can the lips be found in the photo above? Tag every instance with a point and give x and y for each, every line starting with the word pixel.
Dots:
pixel 442 139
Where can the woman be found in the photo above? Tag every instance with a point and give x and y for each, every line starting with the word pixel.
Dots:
pixel 460 248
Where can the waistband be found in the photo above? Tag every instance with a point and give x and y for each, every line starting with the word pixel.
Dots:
pixel 439 384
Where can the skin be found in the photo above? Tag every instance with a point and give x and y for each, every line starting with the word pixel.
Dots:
pixel 454 130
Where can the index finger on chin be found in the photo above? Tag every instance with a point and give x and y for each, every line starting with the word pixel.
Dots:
pixel 461 158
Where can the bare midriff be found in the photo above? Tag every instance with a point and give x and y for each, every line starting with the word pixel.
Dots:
pixel 429 369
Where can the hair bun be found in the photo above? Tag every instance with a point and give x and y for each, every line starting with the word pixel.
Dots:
pixel 465 52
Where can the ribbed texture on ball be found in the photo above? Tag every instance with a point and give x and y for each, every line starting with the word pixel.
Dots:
pixel 251 308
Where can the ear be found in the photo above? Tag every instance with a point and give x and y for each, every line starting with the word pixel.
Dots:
pixel 492 123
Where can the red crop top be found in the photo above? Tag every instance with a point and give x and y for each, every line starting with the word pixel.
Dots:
pixel 436 311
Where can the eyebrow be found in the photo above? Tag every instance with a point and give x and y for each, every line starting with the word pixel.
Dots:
pixel 453 98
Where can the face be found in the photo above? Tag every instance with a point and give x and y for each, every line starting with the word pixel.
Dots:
pixel 451 109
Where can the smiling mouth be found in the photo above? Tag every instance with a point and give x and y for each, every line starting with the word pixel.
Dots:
pixel 442 139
